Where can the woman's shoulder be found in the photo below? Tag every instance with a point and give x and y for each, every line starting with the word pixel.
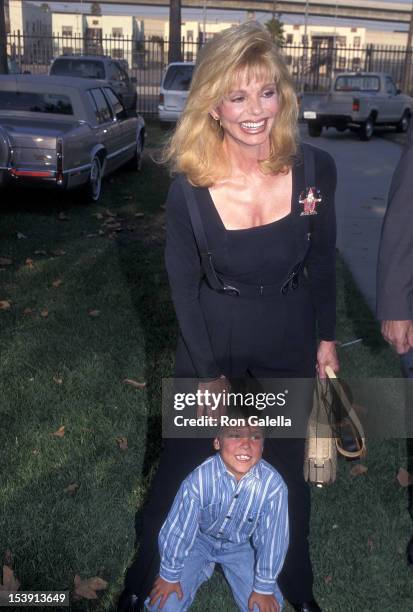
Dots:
pixel 322 158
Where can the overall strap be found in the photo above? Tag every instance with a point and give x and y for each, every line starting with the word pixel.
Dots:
pixel 201 240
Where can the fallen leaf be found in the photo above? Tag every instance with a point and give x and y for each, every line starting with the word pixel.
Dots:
pixel 90 235
pixel 370 544
pixel 29 262
pixel 35 452
pixel 10 582
pixel 87 588
pixel 5 261
pixel 139 214
pixel 58 252
pixel 21 236
pixel 405 479
pixel 134 383
pixel 94 313
pixel 5 304
pixel 59 433
pixel 57 283
pixel 101 232
pixel 122 443
pixel 109 213
pixel 113 226
pixel 44 313
pixel 63 217
pixel 58 380
pixel 72 488
pixel 328 579
pixel 40 252
pixel 98 215
pixel 29 311
pixel 358 469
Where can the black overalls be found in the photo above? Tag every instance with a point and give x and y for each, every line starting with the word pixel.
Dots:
pixel 266 334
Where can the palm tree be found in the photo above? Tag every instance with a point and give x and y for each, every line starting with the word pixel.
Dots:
pixel 276 29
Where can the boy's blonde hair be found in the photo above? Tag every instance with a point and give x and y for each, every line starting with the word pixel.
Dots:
pixel 196 146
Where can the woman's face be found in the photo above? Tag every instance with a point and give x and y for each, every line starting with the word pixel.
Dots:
pixel 248 112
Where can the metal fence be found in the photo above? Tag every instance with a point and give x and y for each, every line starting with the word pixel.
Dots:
pixel 312 66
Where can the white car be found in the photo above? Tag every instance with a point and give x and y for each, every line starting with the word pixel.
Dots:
pixel 174 91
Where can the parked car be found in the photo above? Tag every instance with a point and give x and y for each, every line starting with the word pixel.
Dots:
pixel 99 67
pixel 174 91
pixel 358 101
pixel 65 132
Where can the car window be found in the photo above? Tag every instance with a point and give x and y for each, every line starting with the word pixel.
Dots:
pixel 116 104
pixel 390 86
pixel 114 73
pixel 87 69
pixel 35 102
pixel 101 107
pixel 178 78
pixel 357 83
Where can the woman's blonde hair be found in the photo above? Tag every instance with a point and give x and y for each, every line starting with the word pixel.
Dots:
pixel 196 146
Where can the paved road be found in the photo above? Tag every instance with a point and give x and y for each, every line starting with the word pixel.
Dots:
pixel 364 173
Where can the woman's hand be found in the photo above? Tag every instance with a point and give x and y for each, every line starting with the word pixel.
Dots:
pixel 212 404
pixel 327 356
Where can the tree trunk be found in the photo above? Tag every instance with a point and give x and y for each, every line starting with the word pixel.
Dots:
pixel 174 31
pixel 3 40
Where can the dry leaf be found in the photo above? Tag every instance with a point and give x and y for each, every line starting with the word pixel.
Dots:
pixel 98 215
pixel 29 262
pixel 5 261
pixel 370 544
pixel 63 216
pixel 44 313
pixel 57 283
pixel 5 304
pixel 101 232
pixel 59 433
pixel 328 579
pixel 94 313
pixel 29 311
pixel 122 443
pixel 405 479
pixel 21 236
pixel 134 383
pixel 90 235
pixel 10 582
pixel 58 252
pixel 72 488
pixel 358 469
pixel 35 452
pixel 87 588
pixel 40 252
pixel 58 380
pixel 109 213
pixel 139 214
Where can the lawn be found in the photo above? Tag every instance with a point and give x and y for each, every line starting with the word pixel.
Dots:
pixel 88 308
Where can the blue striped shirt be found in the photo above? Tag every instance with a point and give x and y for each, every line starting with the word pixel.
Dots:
pixel 210 500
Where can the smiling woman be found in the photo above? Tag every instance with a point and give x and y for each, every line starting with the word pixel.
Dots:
pixel 240 233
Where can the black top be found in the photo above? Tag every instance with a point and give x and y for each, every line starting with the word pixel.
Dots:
pixel 257 255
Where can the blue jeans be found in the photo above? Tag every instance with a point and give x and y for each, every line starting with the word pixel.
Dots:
pixel 237 562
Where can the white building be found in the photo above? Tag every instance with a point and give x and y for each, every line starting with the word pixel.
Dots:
pixel 29 27
pixel 192 34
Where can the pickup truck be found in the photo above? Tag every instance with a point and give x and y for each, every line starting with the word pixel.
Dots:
pixel 358 101
pixel 65 132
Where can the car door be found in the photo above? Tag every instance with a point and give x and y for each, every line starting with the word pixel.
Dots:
pixel 119 84
pixel 106 128
pixel 125 128
pixel 394 104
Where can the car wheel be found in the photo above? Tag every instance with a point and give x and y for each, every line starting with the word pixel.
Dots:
pixel 403 125
pixel 93 187
pixel 366 129
pixel 135 163
pixel 314 129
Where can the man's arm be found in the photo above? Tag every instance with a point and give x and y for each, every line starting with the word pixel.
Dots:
pixel 270 540
pixel 395 262
pixel 178 533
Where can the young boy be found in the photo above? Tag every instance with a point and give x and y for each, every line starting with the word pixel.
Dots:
pixel 231 510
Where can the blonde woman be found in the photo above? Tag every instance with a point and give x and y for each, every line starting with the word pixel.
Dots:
pixel 250 309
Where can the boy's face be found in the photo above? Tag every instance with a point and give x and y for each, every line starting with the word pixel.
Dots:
pixel 240 449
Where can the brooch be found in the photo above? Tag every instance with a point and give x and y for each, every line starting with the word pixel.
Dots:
pixel 309 199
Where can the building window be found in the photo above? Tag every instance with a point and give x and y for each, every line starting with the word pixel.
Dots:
pixel 356 63
pixel 190 35
pixel 357 41
pixel 341 40
pixel 341 63
pixel 117 32
pixel 95 22
pixel 117 53
pixel 289 39
pixel 67 31
pixel 296 27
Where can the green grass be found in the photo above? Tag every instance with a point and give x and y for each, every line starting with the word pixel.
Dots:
pixel 359 526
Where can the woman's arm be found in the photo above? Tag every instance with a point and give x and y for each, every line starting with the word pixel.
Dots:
pixel 185 272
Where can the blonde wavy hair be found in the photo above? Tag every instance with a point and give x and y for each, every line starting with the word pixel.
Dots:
pixel 196 146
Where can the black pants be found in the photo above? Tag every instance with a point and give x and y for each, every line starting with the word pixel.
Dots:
pixel 265 339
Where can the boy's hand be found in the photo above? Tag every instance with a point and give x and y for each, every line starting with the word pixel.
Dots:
pixel 162 589
pixel 265 603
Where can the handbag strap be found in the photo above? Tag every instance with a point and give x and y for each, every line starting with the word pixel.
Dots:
pixel 352 415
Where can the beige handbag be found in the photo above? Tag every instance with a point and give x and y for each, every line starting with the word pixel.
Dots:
pixel 323 441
